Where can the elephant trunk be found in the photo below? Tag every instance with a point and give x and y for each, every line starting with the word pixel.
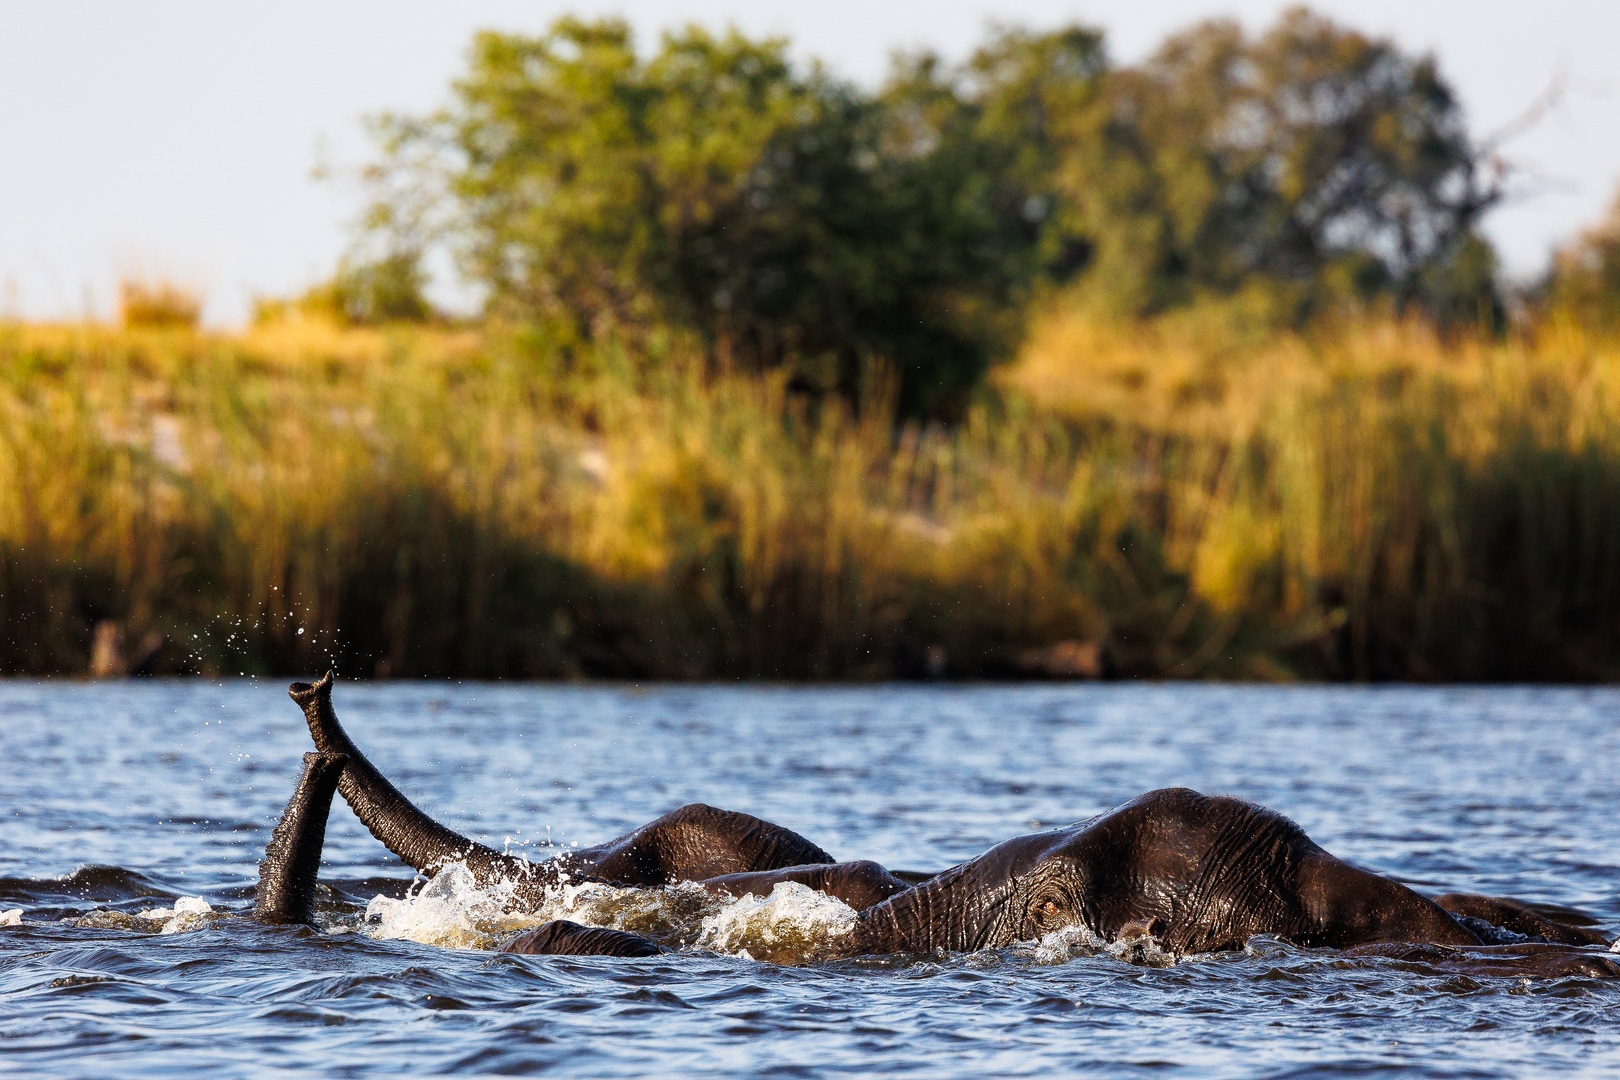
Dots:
pixel 946 912
pixel 403 829
pixel 976 905
pixel 286 891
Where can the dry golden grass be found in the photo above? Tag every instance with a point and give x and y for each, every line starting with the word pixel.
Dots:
pixel 1365 501
pixel 157 304
pixel 1453 503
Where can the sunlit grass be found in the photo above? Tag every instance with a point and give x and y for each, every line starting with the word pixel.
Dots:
pixel 157 304
pixel 1365 501
pixel 1456 504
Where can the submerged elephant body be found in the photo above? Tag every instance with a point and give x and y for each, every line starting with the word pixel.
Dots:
pixel 1194 873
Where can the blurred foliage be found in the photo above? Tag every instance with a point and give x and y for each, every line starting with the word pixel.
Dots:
pixel 1258 413
pixel 390 288
pixel 143 304
pixel 1369 499
pixel 1584 282
pixel 795 221
pixel 711 187
pixel 1308 165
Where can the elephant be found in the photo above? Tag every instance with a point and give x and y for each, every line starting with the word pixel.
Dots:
pixel 1192 873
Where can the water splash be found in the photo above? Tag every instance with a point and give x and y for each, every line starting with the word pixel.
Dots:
pixel 188 913
pixel 794 924
pixel 1146 952
pixel 1079 942
pixel 1061 946
pixel 452 910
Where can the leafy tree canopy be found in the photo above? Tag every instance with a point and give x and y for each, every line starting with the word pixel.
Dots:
pixel 792 219
pixel 1585 279
pixel 1311 161
pixel 712 187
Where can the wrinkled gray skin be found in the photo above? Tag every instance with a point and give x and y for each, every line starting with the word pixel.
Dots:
pixel 559 937
pixel 286 892
pixel 693 843
pixel 1193 872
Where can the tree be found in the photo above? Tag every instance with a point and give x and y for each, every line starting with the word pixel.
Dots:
pixel 1584 283
pixel 789 219
pixel 985 140
pixel 713 187
pixel 1312 161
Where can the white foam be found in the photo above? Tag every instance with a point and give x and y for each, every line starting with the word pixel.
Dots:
pixel 451 910
pixel 11 918
pixel 188 913
pixel 1075 942
pixel 1144 952
pixel 454 911
pixel 792 925
pixel 1070 943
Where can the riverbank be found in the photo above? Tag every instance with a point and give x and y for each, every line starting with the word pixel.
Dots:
pixel 1176 500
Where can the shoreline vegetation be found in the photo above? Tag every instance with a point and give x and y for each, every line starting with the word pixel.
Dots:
pixel 1028 365
pixel 1367 499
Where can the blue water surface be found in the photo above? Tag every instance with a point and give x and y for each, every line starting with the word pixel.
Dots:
pixel 115 797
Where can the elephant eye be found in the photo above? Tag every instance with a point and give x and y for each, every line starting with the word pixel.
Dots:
pixel 1050 907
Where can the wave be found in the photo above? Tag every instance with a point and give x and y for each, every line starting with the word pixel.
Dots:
pixel 188 913
pixel 793 925
pixel 101 884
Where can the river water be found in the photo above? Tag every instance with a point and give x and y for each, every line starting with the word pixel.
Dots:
pixel 133 816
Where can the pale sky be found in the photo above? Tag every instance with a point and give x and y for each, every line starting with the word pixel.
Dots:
pixel 177 139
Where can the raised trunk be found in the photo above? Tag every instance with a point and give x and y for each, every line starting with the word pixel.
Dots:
pixel 403 829
pixel 953 911
pixel 292 859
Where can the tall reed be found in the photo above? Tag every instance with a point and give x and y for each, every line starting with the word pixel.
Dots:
pixel 1400 504
pixel 1365 502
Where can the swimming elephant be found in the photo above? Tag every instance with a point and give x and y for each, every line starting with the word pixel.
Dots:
pixel 1193 873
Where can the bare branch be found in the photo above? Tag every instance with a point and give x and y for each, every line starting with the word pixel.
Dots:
pixel 1544 103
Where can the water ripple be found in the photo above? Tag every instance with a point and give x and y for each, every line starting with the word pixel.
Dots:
pixel 127 798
